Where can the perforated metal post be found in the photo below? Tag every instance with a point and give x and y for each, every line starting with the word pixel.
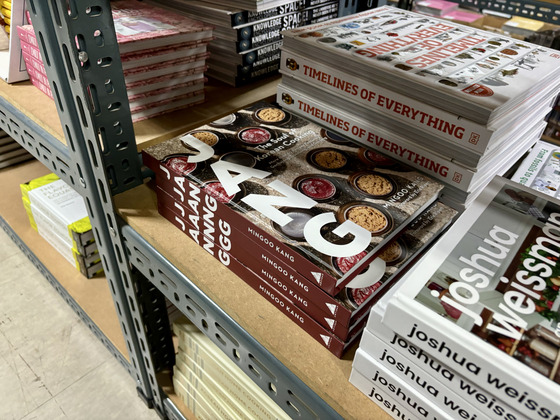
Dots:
pixel 79 49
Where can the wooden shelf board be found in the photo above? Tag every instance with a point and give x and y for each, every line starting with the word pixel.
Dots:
pixel 221 100
pixel 312 363
pixel 92 295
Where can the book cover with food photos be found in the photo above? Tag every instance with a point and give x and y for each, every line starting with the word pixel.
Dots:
pixel 481 72
pixel 313 199
pixel 336 313
pixel 141 26
pixel 484 300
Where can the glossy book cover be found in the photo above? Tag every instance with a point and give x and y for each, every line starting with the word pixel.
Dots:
pixel 327 203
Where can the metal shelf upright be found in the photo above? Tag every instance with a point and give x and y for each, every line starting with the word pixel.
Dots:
pixel 78 44
pixel 79 50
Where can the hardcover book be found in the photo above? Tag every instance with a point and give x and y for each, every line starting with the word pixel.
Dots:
pixel 484 300
pixel 140 26
pixel 476 74
pixel 383 103
pixel 405 359
pixel 540 169
pixel 317 197
pixel 367 132
pixel 234 16
pixel 339 313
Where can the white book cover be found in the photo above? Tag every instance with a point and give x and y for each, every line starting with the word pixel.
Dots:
pixel 481 73
pixel 400 402
pixel 44 227
pixel 452 406
pixel 194 343
pixel 410 363
pixel 534 113
pixel 540 170
pixel 200 391
pixel 60 202
pixel 197 404
pixel 414 112
pixel 484 300
pixel 392 144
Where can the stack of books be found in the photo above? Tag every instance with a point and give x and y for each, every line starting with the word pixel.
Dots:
pixel 458 103
pixel 58 213
pixel 247 44
pixel 11 151
pixel 298 212
pixel 211 385
pixel 472 331
pixel 163 57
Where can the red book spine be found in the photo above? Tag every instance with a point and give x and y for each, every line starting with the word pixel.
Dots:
pixel 175 184
pixel 328 340
pixel 245 251
pixel 288 278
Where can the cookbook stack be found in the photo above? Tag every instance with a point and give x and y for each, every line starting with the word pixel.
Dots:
pixel 11 151
pixel 247 44
pixel 297 212
pixel 211 385
pixel 458 103
pixel 58 213
pixel 163 57
pixel 472 331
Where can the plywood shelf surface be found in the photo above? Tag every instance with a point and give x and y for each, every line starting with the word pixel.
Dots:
pixel 92 295
pixel 325 374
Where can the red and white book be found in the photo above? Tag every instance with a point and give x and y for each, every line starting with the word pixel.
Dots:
pixel 162 55
pixel 386 104
pixel 167 68
pixel 154 109
pixel 477 74
pixel 396 146
pixel 140 26
pixel 485 299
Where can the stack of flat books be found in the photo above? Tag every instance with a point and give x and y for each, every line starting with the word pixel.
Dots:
pixel 58 213
pixel 472 331
pixel 163 57
pixel 247 43
pixel 458 103
pixel 211 385
pixel 299 213
pixel 11 151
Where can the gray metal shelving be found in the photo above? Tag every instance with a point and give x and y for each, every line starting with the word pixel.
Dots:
pixel 78 43
pixel 80 53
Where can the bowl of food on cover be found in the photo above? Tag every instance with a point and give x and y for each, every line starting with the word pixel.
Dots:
pixel 372 184
pixel 271 115
pixel 299 218
pixel 328 159
pixel 371 217
pixel 179 163
pixel 315 186
pixel 254 136
pixel 211 138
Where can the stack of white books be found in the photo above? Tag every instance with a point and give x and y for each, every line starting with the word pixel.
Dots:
pixel 58 213
pixel 11 152
pixel 247 42
pixel 163 57
pixel 211 385
pixel 472 331
pixel 458 103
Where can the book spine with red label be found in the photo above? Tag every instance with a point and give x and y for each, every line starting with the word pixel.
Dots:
pixel 388 104
pixel 180 188
pixel 242 249
pixel 284 276
pixel 327 339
